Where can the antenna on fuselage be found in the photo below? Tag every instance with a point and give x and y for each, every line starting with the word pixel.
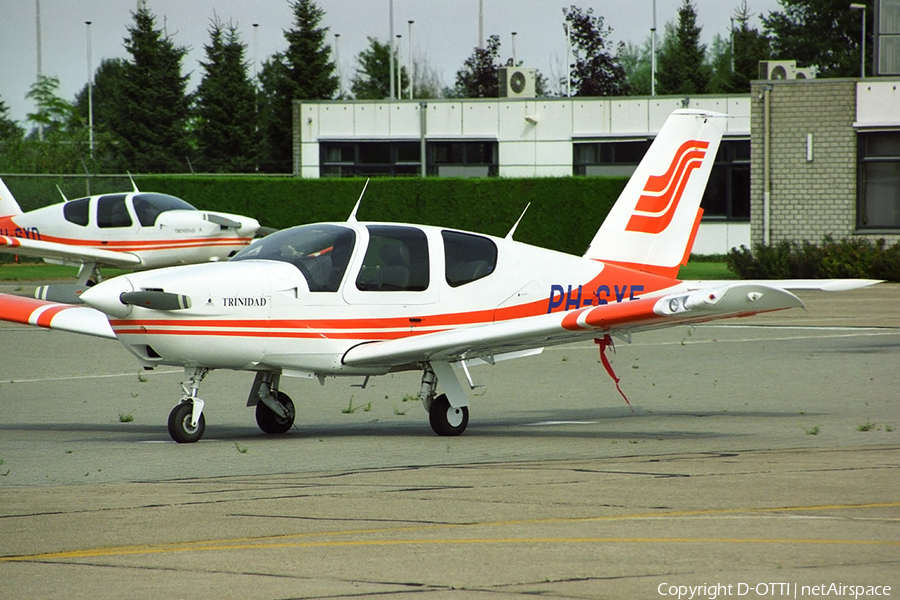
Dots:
pixel 509 235
pixel 352 217
pixel 61 193
pixel 133 184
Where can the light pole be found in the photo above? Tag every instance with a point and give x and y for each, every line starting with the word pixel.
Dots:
pixel 399 70
pixel 90 74
pixel 409 59
pixel 515 62
pixel 862 45
pixel 653 53
pixel 337 60
pixel 391 44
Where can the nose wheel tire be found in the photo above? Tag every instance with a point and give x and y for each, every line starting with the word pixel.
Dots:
pixel 447 420
pixel 269 421
pixel 180 427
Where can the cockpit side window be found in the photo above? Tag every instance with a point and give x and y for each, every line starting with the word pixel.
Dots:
pixel 467 257
pixel 396 260
pixel 148 206
pixel 320 252
pixel 76 211
pixel 112 212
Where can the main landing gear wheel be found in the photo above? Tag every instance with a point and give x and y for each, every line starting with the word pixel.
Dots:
pixel 180 427
pixel 445 419
pixel 269 421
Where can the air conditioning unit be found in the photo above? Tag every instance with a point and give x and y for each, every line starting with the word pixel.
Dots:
pixel 517 82
pixel 785 69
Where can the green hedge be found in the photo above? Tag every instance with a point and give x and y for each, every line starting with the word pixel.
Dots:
pixel 565 212
pixel 853 258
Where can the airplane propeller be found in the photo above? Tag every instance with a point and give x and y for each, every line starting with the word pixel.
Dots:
pixel 156 300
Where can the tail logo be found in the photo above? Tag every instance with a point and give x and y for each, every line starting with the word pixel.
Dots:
pixel 662 193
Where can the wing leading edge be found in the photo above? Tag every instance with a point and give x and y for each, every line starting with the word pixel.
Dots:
pixel 684 307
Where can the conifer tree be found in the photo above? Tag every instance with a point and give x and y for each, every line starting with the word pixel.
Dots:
pixel 682 67
pixel 226 130
pixel 151 121
pixel 304 71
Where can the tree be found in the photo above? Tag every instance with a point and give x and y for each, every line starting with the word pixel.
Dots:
pixel 682 66
pixel 821 33
pixel 635 61
pixel 107 102
pixel 151 122
pixel 479 77
pixel 303 72
pixel 9 129
pixel 372 78
pixel 596 72
pixel 58 142
pixel 733 71
pixel 226 129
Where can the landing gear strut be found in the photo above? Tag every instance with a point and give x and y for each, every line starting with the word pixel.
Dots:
pixel 186 421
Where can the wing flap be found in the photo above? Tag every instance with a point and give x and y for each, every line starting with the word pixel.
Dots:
pixel 54 250
pixel 577 325
pixel 53 315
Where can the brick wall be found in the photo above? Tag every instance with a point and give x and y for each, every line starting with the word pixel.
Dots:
pixel 808 199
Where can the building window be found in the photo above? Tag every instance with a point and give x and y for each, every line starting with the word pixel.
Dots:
pixel 608 159
pixel 463 159
pixel 879 180
pixel 369 159
pixel 727 194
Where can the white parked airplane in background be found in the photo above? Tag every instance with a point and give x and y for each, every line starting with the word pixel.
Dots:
pixel 365 299
pixel 135 230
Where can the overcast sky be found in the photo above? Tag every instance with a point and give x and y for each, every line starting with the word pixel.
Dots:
pixel 444 33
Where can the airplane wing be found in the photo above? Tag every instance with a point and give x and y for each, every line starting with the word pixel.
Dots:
pixel 825 285
pixel 53 315
pixel 64 252
pixel 730 300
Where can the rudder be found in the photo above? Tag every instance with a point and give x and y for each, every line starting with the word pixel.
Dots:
pixel 8 205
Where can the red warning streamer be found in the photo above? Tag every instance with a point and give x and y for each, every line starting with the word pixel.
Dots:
pixel 605 342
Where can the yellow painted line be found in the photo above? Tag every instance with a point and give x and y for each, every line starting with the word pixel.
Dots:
pixel 282 541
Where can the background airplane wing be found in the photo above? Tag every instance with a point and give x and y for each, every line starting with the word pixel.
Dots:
pixel 622 318
pixel 52 315
pixel 64 252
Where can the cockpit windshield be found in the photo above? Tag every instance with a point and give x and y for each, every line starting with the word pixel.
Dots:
pixel 320 252
pixel 148 206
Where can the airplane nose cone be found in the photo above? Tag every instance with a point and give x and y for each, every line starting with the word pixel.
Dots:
pixel 105 296
pixel 248 227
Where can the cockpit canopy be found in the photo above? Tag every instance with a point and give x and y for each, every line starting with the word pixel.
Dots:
pixel 112 210
pixel 321 252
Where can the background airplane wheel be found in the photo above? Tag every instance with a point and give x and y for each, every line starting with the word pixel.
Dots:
pixel 445 419
pixel 180 424
pixel 270 422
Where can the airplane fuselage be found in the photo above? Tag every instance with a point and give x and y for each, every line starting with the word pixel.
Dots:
pixel 134 223
pixel 286 304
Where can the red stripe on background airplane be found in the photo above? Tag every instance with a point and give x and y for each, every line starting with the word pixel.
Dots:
pixel 364 299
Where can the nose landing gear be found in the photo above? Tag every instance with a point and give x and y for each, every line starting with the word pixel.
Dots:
pixel 186 421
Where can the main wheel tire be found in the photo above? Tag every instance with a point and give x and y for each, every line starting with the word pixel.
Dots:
pixel 445 419
pixel 270 422
pixel 180 424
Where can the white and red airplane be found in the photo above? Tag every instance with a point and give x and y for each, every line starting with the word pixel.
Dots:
pixel 135 230
pixel 365 299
